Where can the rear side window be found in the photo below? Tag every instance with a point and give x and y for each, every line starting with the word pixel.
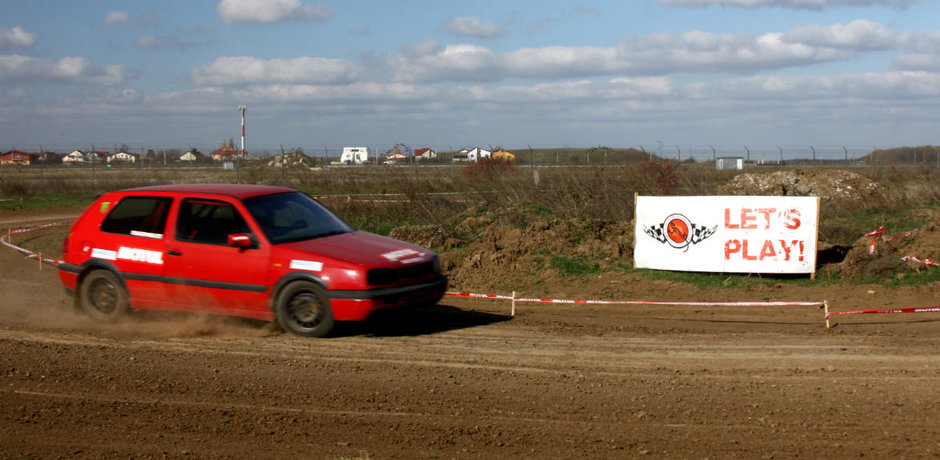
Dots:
pixel 143 216
pixel 208 221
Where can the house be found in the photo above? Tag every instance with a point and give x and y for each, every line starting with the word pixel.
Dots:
pixel 189 156
pixel 122 157
pixel 503 155
pixel 354 155
pixel 50 158
pixel 96 157
pixel 425 154
pixel 475 154
pixel 226 153
pixel 75 157
pixel 395 158
pixel 16 157
pixel 726 163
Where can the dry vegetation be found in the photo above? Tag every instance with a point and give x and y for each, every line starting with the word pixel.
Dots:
pixel 542 223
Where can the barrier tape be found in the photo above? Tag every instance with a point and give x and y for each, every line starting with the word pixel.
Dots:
pixel 880 231
pixel 892 310
pixel 638 302
pixel 927 262
pixel 874 234
pixel 30 254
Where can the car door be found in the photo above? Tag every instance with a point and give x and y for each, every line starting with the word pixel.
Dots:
pixel 132 238
pixel 207 273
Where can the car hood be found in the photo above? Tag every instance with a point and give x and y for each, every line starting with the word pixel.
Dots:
pixel 364 249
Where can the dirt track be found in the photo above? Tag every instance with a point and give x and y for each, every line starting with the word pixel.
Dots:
pixel 465 380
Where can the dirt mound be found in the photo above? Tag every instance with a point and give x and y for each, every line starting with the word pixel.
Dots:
pixel 492 248
pixel 892 247
pixel 830 185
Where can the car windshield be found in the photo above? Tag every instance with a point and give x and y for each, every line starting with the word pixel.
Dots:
pixel 293 216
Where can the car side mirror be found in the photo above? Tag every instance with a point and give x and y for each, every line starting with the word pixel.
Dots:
pixel 240 240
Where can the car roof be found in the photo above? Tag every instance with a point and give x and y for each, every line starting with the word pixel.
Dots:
pixel 240 191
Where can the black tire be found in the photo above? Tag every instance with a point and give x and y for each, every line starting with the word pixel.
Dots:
pixel 304 309
pixel 103 297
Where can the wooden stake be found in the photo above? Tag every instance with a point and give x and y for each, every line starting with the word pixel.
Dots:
pixel 826 307
pixel 39 256
pixel 513 311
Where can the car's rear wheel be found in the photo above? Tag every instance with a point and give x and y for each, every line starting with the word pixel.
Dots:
pixel 304 309
pixel 102 296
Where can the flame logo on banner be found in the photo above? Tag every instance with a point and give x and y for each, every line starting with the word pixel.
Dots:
pixel 679 232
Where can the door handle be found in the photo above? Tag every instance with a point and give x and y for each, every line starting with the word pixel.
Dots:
pixel 175 253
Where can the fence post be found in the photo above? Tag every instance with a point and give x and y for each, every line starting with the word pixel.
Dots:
pixel 94 159
pixel 41 184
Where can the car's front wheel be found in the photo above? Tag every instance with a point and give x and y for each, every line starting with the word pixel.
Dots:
pixel 103 296
pixel 304 309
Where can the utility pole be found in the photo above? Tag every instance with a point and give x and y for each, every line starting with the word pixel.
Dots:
pixel 242 108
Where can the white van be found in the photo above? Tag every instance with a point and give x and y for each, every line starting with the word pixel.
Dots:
pixel 354 155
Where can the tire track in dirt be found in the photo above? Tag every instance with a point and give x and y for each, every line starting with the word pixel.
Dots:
pixel 460 380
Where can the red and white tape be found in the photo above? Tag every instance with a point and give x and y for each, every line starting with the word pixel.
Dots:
pixel 639 302
pixel 30 254
pixel 886 311
pixel 880 231
pixel 928 262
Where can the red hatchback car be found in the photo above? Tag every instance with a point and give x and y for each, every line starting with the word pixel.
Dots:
pixel 262 252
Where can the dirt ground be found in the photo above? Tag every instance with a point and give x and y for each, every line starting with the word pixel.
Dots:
pixel 465 380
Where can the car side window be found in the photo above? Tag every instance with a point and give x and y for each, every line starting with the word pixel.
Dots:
pixel 208 221
pixel 143 216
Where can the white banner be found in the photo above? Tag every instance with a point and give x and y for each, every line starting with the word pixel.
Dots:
pixel 729 234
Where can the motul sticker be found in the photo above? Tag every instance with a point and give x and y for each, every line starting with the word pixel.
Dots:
pixel 308 265
pixel 103 254
pixel 140 255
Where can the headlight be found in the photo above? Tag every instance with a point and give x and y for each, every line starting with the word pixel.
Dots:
pixel 436 265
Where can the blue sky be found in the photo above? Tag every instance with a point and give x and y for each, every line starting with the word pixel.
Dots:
pixel 448 74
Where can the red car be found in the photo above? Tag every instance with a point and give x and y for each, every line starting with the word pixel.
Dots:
pixel 262 252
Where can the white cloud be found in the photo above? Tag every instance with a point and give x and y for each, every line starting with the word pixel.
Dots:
pixel 162 42
pixel 800 4
pixel 925 53
pixel 244 70
pixel 919 61
pixel 24 69
pixel 586 10
pixel 472 26
pixel 425 48
pixel 16 38
pixel 123 18
pixel 858 35
pixel 267 11
pixel 114 18
pixel 656 54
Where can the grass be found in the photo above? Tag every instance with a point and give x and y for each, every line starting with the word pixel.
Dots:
pixel 574 268
pixel 48 200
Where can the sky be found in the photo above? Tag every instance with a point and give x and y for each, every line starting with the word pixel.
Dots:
pixel 448 74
